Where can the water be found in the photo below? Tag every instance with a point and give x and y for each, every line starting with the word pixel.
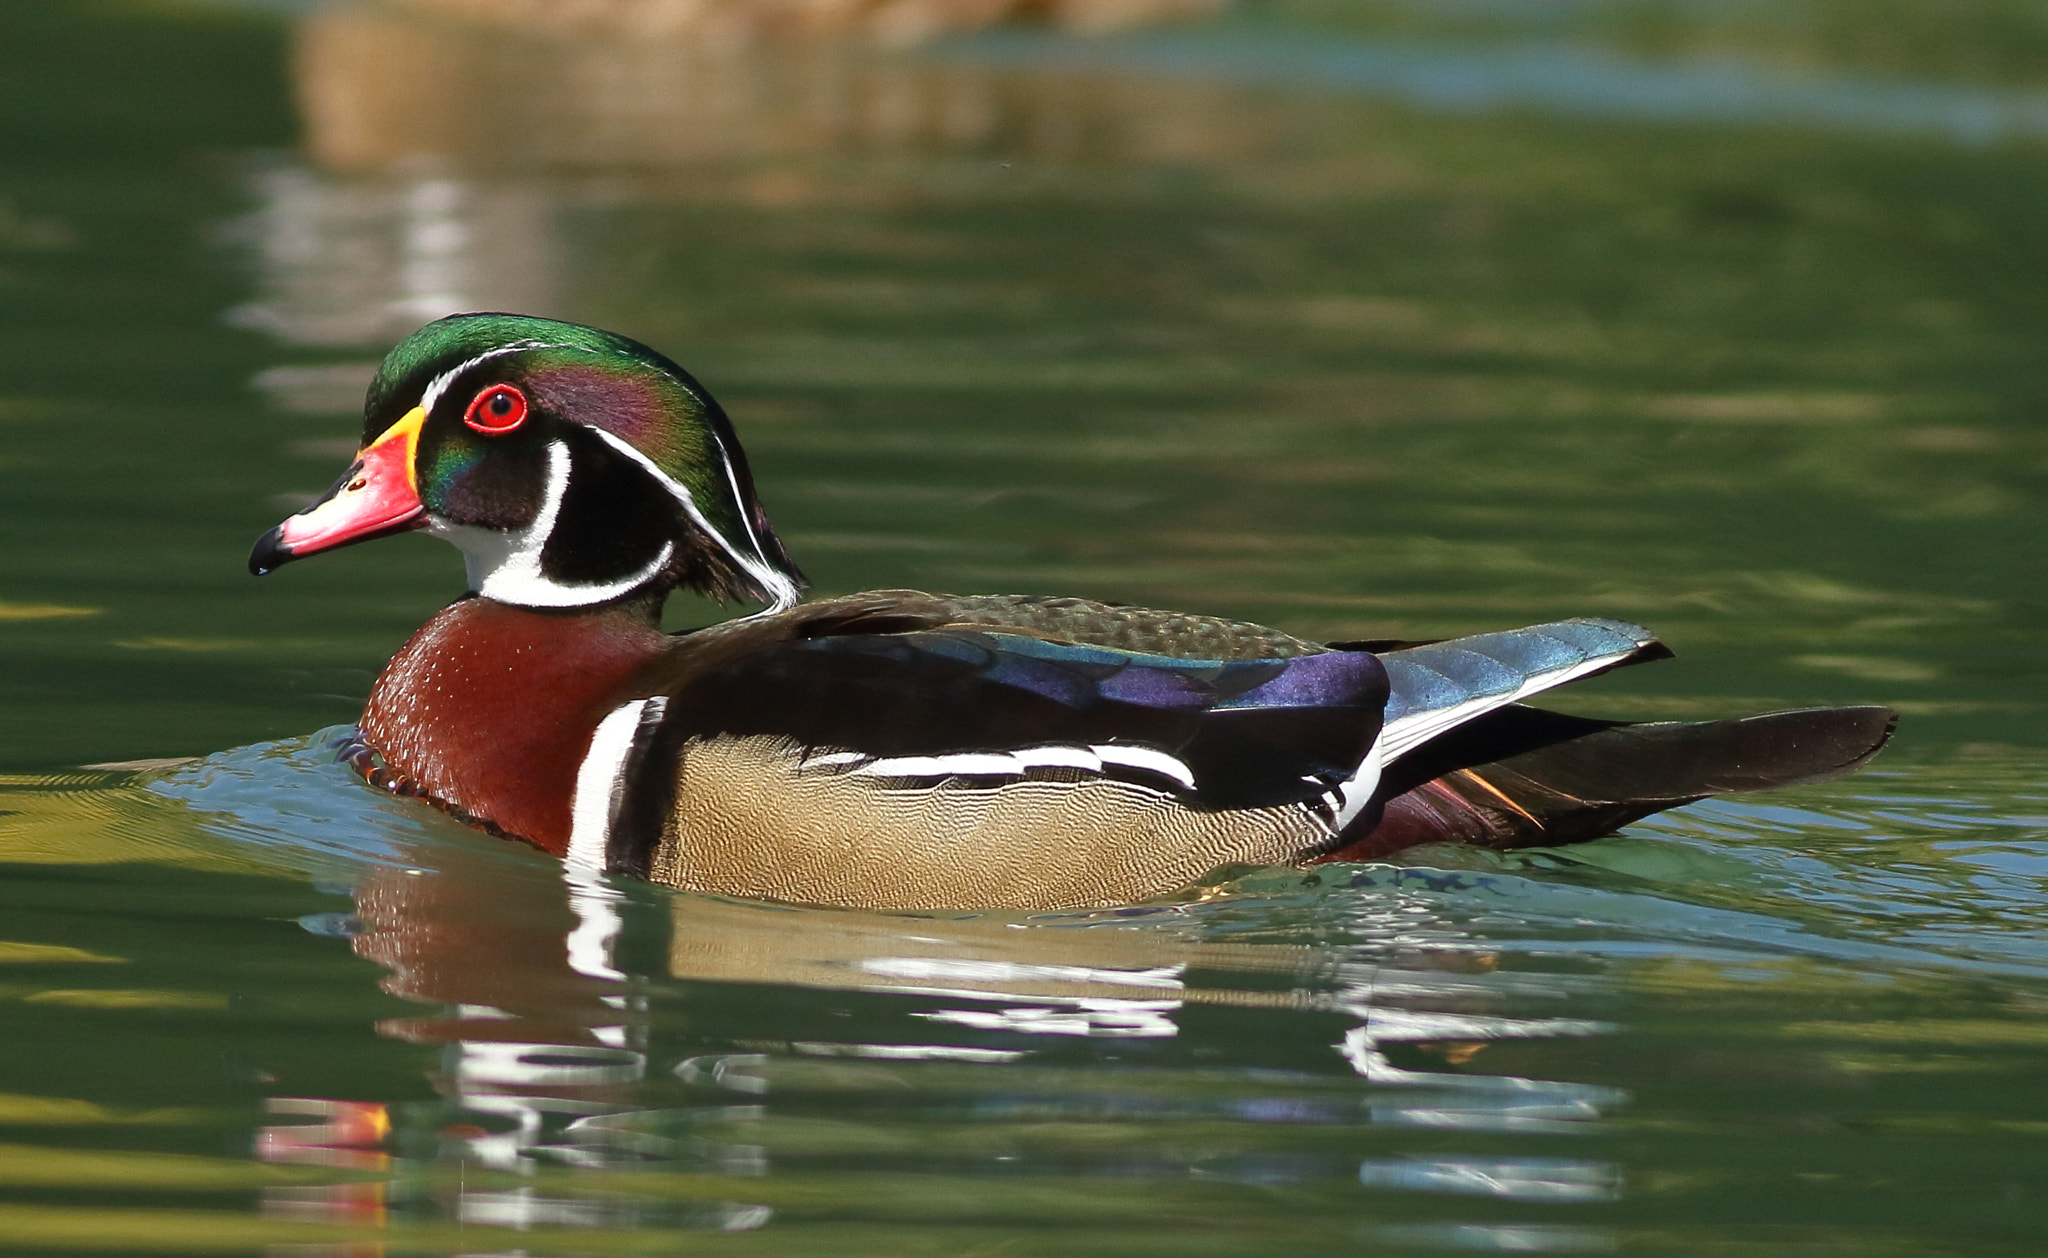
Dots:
pixel 1228 315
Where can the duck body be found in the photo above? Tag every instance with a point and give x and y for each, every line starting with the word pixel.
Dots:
pixel 898 749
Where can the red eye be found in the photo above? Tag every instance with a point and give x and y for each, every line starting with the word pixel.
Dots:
pixel 496 411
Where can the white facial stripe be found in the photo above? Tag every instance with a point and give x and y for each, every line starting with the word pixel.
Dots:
pixel 601 778
pixel 439 384
pixel 505 564
pixel 732 478
pixel 782 592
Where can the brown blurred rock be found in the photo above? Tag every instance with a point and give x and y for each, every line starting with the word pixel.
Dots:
pixel 447 136
pixel 729 23
pixel 651 83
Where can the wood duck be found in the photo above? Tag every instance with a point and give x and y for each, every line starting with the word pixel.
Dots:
pixel 904 750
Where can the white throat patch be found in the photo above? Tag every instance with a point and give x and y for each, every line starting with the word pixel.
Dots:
pixel 504 564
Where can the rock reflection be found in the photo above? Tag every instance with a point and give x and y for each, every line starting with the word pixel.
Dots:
pixel 450 140
pixel 365 261
pixel 617 86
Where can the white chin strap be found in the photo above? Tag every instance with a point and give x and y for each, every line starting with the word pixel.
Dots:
pixel 504 564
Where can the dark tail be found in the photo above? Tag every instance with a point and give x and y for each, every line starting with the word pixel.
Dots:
pixel 1523 777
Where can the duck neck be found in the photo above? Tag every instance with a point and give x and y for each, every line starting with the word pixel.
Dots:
pixel 488 709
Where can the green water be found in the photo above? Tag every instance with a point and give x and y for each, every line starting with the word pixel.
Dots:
pixel 1365 320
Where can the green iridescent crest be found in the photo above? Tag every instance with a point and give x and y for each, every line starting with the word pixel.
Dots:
pixel 648 405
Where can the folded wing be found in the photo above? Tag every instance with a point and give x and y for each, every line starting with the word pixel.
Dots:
pixel 923 706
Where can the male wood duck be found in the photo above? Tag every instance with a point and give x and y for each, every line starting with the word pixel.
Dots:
pixel 904 750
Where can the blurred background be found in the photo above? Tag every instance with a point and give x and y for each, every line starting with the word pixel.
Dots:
pixel 1372 318
pixel 1365 318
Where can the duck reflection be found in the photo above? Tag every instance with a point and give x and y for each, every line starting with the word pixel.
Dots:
pixel 616 1027
pixel 346 1135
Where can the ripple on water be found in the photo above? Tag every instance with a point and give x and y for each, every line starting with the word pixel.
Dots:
pixel 1390 1054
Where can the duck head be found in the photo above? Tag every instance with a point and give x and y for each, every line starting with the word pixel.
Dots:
pixel 572 467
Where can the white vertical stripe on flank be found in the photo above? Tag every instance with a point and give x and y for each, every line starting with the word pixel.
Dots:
pixel 598 782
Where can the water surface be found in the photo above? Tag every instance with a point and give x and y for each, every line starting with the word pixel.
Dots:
pixel 1179 315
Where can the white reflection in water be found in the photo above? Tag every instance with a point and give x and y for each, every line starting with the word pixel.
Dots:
pixel 1523 1179
pixel 909 1052
pixel 348 262
pixel 1509 1238
pixel 504 1080
pixel 489 1063
pixel 1361 1047
pixel 1063 1011
pixel 732 1071
pixel 1001 972
pixel 1133 1019
pixel 522 1209
pixel 1549 1115
pixel 1411 1024
pixel 596 905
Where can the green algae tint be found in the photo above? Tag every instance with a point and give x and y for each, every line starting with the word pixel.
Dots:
pixel 1374 320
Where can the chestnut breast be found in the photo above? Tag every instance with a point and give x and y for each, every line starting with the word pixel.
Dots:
pixel 489 708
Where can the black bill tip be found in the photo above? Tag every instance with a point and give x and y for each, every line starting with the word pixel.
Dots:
pixel 270 553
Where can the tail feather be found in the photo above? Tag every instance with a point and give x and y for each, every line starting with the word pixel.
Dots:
pixel 1523 777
